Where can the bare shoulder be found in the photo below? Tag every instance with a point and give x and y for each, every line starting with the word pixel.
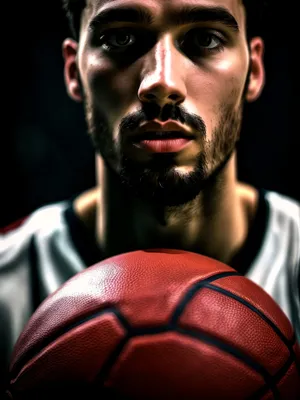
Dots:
pixel 249 197
pixel 85 206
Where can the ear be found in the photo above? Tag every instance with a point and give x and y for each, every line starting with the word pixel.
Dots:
pixel 71 74
pixel 257 72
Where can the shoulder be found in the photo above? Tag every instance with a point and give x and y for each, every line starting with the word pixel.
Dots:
pixel 16 238
pixel 284 217
pixel 283 205
pixel 276 267
pixel 39 219
pixel 284 222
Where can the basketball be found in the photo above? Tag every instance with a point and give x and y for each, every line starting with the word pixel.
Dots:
pixel 157 324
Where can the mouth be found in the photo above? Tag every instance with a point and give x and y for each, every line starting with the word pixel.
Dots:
pixel 160 135
pixel 162 142
pixel 157 137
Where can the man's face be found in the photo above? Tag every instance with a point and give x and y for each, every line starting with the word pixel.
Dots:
pixel 163 84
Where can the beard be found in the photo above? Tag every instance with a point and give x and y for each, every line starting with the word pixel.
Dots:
pixel 158 180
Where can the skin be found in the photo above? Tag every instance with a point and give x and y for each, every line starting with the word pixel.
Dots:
pixel 190 200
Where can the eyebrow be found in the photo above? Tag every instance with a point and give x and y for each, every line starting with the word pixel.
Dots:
pixel 188 15
pixel 123 14
pixel 185 15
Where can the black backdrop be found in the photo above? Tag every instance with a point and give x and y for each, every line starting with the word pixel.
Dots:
pixel 46 153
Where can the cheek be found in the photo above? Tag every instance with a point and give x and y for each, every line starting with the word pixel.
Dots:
pixel 216 84
pixel 110 88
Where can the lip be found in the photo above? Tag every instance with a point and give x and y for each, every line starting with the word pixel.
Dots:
pixel 163 145
pixel 153 129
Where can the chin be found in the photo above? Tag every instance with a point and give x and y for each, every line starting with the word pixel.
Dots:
pixel 183 170
pixel 171 186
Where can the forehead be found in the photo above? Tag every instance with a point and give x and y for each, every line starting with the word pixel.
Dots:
pixel 161 8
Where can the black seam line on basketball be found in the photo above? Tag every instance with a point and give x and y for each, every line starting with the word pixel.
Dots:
pixel 194 290
pixel 287 342
pixel 280 374
pixel 277 378
pixel 229 349
pixel 259 394
pixel 132 333
pixel 105 370
pixel 36 349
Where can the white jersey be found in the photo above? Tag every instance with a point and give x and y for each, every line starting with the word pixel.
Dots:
pixel 52 245
pixel 276 266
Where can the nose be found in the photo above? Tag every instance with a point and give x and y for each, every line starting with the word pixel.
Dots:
pixel 162 76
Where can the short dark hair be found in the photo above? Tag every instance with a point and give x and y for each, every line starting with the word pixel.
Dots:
pixel 255 12
pixel 73 10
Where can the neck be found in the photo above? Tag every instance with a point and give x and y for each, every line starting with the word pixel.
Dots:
pixel 214 224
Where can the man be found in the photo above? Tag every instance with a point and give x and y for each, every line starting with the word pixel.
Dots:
pixel 163 84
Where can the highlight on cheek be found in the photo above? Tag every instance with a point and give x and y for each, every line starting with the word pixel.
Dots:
pixel 224 65
pixel 97 66
pixel 90 61
pixel 233 61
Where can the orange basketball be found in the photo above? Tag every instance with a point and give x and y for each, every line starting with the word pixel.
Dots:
pixel 158 324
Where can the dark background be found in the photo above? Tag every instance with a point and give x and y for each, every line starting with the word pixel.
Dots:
pixel 46 153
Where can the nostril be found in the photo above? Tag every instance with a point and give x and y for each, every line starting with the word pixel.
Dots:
pixel 174 97
pixel 150 96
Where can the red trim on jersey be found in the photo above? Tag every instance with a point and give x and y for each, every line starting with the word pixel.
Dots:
pixel 13 226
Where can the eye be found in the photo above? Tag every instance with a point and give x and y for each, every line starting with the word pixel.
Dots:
pixel 206 40
pixel 202 41
pixel 117 40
